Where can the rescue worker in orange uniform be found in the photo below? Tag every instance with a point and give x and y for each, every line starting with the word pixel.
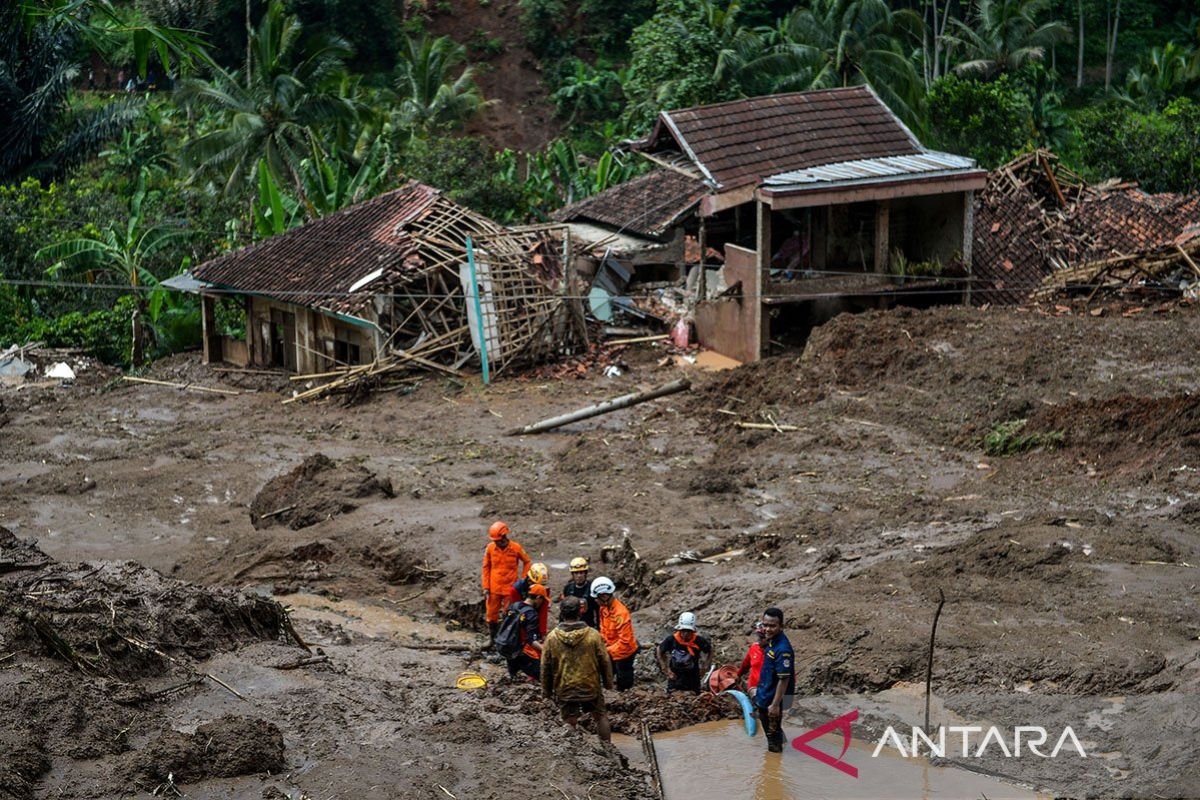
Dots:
pixel 537 575
pixel 616 626
pixel 504 562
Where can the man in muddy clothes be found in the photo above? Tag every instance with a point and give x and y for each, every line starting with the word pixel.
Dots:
pixel 504 562
pixel 776 679
pixel 581 587
pixel 576 669
pixel 684 655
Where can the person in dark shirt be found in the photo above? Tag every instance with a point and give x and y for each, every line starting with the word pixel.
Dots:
pixel 581 587
pixel 776 679
pixel 684 655
pixel 528 659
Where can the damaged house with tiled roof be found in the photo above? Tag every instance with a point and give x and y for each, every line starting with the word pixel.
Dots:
pixel 803 197
pixel 406 279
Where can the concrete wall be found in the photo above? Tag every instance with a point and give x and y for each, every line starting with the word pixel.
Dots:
pixel 733 325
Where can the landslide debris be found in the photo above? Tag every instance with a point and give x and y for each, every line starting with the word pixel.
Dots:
pixel 90 650
pixel 119 619
pixel 1126 433
pixel 224 748
pixel 317 489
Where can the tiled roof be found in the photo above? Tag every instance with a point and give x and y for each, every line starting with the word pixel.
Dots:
pixel 318 263
pixel 647 205
pixel 744 141
pixel 1128 221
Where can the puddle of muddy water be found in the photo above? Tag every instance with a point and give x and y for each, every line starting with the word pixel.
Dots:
pixel 718 760
pixel 372 621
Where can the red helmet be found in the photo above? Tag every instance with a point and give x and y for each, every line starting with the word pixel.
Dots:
pixel 498 530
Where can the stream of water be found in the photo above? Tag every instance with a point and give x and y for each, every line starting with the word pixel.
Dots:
pixel 718 760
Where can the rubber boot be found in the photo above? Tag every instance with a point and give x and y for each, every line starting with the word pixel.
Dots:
pixel 493 627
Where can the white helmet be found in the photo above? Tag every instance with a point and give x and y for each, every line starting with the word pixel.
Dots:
pixel 687 622
pixel 603 585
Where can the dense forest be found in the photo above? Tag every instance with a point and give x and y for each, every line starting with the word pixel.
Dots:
pixel 142 137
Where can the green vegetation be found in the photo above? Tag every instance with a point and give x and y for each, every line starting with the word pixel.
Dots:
pixel 269 113
pixel 1010 438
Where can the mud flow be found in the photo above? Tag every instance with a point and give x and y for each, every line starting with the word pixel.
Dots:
pixel 219 596
pixel 718 759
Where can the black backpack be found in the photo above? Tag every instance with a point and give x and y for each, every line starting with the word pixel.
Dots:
pixel 508 637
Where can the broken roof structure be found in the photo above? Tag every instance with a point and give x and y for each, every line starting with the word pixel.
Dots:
pixel 393 283
pixel 1042 228
pixel 338 263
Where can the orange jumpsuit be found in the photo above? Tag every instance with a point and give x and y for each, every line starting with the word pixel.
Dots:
pixel 501 568
pixel 616 626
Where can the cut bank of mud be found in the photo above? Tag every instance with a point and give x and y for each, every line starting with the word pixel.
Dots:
pixel 1065 577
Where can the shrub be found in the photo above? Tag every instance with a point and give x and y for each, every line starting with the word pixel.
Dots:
pixel 1158 149
pixel 988 121
pixel 1009 438
pixel 106 334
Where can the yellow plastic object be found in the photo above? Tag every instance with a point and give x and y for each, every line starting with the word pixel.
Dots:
pixel 470 680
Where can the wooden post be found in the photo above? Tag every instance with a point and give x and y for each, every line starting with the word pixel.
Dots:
pixel 208 330
pixel 883 215
pixel 968 239
pixel 762 322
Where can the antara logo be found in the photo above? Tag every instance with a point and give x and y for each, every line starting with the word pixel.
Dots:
pixel 1034 737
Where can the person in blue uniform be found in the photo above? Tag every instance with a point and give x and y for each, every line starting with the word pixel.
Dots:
pixel 776 679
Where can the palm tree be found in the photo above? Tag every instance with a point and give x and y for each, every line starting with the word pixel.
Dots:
pixel 428 95
pixel 1005 35
pixel 39 133
pixel 1167 72
pixel 120 253
pixel 277 109
pixel 857 42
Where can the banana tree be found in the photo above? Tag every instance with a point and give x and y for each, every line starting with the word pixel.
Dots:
pixel 119 254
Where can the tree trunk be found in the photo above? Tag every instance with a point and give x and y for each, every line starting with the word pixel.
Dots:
pixel 249 34
pixel 1079 57
pixel 137 351
pixel 1112 46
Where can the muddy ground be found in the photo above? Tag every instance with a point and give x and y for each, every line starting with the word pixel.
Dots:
pixel 1068 560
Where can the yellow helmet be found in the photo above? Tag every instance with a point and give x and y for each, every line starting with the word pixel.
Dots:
pixel 579 564
pixel 538 573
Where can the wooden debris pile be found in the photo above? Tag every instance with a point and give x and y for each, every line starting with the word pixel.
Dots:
pixel 1040 230
pixel 1157 272
pixel 524 311
pixel 1020 231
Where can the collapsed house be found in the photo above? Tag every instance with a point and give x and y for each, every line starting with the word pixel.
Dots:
pixel 806 197
pixel 408 280
pixel 1042 230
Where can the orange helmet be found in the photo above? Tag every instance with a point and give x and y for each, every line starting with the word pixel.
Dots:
pixel 539 590
pixel 538 572
pixel 498 530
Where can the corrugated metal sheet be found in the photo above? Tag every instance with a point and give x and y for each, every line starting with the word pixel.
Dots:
pixel 645 206
pixel 317 263
pixel 866 169
pixel 744 141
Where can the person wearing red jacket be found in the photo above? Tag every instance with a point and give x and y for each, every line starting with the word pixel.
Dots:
pixel 504 562
pixel 752 663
